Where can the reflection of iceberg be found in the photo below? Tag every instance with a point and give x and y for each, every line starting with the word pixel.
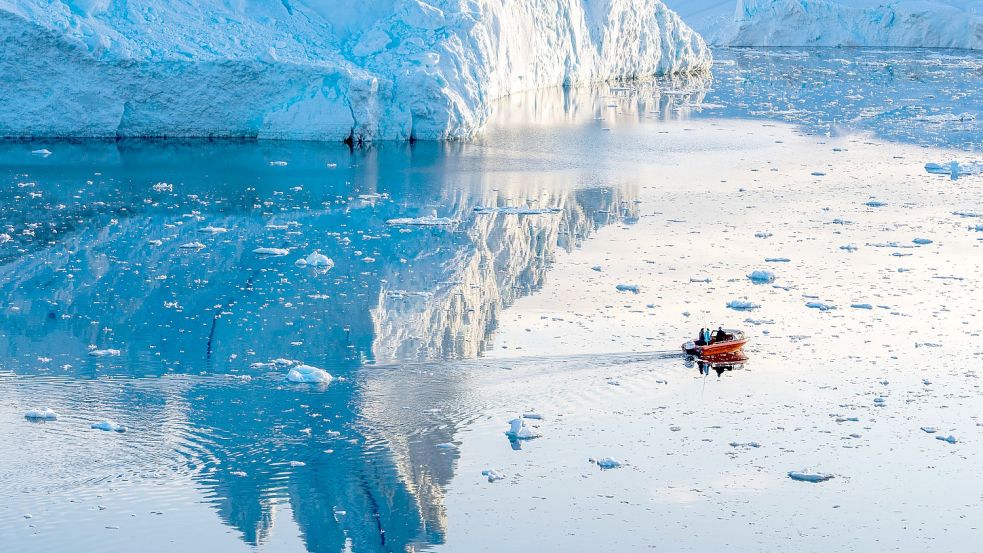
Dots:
pixel 454 306
pixel 107 270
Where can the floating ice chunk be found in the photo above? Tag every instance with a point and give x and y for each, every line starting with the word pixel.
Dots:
pixel 849 248
pixel 517 210
pixel 742 305
pixel 633 288
pixel 316 259
pixel 861 306
pixel 761 277
pixel 493 475
pixel 278 164
pixel 108 426
pixel 927 345
pixel 532 416
pixel 875 203
pixel 950 439
pixel 427 221
pixel 446 445
pixel 759 322
pixel 297 464
pixel 163 187
pixel 46 414
pixel 703 280
pixel 818 174
pixel 929 429
pixel 805 476
pixel 820 305
pixel 4 238
pixel 213 230
pixel 954 169
pixel 607 463
pixel 763 234
pixel 192 246
pixel 43 152
pixel 926 382
pixel 746 445
pixel 777 260
pixel 309 375
pixel 109 352
pixel 594 268
pixel 272 252
pixel 879 401
pixel 520 431
pixel 922 241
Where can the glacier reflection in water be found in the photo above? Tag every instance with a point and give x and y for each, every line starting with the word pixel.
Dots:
pixel 149 249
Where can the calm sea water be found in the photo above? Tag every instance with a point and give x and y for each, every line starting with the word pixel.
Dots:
pixel 149 248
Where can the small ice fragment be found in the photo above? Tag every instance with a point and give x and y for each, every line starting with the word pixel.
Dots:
pixel 596 268
pixel 316 259
pixel 108 426
pixel 278 163
pixel 950 439
pixel 745 445
pixel 520 431
pixel 192 246
pixel 849 248
pixel 307 374
pixel 861 306
pixel 46 414
pixel 929 429
pixel 533 416
pixel 705 280
pixel 926 382
pixel 742 305
pixel 213 230
pixel 820 306
pixel 104 352
pixel 298 464
pixel 879 400
pixel 777 260
pixel 805 476
pixel 763 235
pixel 875 203
pixel 446 445
pixel 163 187
pixel 274 252
pixel 633 288
pixel 43 152
pixel 608 463
pixel 922 241
pixel 493 475
pixel 428 221
pixel 761 277
pixel 332 165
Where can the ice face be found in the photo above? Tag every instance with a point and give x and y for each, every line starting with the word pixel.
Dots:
pixel 396 69
pixel 905 23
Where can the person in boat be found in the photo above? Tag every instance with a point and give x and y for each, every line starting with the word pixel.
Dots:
pixel 699 337
pixel 721 335
pixel 706 336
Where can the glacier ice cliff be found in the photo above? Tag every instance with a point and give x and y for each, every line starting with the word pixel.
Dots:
pixel 313 70
pixel 876 23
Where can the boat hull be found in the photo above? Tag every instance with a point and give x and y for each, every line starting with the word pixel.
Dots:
pixel 720 348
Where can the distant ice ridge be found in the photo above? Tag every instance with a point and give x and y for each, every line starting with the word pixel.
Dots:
pixel 312 70
pixel 899 23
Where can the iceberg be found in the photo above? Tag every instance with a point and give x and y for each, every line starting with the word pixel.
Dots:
pixel 876 23
pixel 310 70
pixel 46 414
pixel 518 430
pixel 108 426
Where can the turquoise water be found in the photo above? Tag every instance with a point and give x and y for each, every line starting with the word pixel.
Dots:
pixel 148 248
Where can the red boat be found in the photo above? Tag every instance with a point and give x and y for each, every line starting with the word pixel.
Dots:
pixel 733 342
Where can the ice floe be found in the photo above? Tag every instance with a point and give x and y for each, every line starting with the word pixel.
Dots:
pixel 271 252
pixel 633 288
pixel 309 375
pixel 742 305
pixel 519 430
pixel 607 463
pixel 806 476
pixel 109 352
pixel 949 439
pixel 761 277
pixel 108 426
pixel 192 246
pixel 517 210
pixel 46 414
pixel 316 259
pixel 820 305
pixel 493 475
